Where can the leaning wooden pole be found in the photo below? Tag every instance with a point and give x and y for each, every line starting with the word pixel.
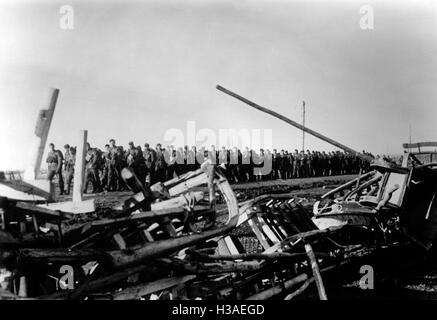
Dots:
pixel 41 133
pixel 293 123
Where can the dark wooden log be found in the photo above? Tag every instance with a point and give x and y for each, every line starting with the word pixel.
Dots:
pixel 32 209
pixel 45 256
pixel 146 216
pixel 138 291
pixel 99 283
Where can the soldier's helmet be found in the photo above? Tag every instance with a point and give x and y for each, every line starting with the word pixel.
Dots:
pixel 67 146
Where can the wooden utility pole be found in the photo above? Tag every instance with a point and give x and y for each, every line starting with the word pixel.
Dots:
pixel 79 167
pixel 78 204
pixel 303 125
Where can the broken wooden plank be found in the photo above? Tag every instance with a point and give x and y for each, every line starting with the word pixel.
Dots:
pixel 138 291
pixel 31 209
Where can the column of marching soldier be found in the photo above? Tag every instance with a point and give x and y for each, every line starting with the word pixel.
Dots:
pixel 150 165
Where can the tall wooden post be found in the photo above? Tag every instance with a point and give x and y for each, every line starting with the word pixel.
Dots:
pixel 303 125
pixel 41 133
pixel 78 205
pixel 79 167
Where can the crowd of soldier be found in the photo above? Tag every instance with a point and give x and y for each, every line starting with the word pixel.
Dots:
pixel 103 167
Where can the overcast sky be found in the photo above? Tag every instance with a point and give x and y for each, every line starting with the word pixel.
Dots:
pixel 132 70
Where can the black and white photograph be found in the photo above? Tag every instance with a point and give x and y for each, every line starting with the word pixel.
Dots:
pixel 218 151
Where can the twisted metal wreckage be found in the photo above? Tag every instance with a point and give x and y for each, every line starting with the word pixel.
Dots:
pixel 189 238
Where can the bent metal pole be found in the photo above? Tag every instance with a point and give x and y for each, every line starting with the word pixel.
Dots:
pixel 289 121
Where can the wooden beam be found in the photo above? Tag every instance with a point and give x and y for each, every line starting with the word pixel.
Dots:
pixel 419 144
pixel 32 209
pixel 79 167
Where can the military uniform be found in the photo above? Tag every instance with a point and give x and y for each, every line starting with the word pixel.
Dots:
pixel 296 164
pixel 234 168
pixel 70 161
pixel 160 166
pixel 150 159
pixel 91 171
pixel 171 164
pixel 288 165
pixel 54 162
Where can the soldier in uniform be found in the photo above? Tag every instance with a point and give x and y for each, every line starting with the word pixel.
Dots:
pixel 309 164
pixel 180 162
pixel 288 164
pixel 131 154
pixel 281 164
pixel 113 160
pixel 54 166
pixel 185 154
pixel 160 164
pixel 135 161
pixel 275 164
pixel 141 166
pixel 66 152
pixel 342 162
pixel 170 154
pixel 213 155
pixel 323 163
pixel 106 158
pixel 268 165
pixel 303 165
pixel 120 163
pixel 70 161
pixel 223 157
pixel 296 163
pixel 150 158
pixel 192 162
pixel 234 160
pixel 245 164
pixel 91 169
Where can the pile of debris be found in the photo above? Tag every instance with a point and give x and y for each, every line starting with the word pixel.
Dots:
pixel 189 238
